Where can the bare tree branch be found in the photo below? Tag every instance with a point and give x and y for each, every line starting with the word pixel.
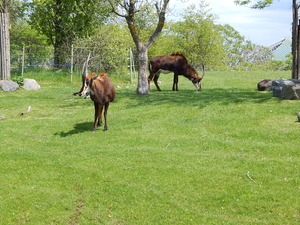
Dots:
pixel 161 22
pixel 114 10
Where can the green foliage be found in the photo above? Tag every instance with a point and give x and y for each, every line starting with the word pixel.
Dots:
pixel 255 4
pixel 18 79
pixel 49 76
pixel 278 65
pixel 219 47
pixel 110 45
pixel 198 38
pixel 15 8
pixel 63 21
pixel 168 158
pixel 196 35
pixel 36 48
pixel 22 34
pixel 145 21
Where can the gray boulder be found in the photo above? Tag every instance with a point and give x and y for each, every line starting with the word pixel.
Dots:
pixel 8 85
pixel 31 85
pixel 286 88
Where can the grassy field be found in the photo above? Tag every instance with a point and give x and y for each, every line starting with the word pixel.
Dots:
pixel 226 155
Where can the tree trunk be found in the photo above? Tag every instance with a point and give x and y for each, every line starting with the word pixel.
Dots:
pixel 4 47
pixel 58 27
pixel 143 69
pixel 129 7
pixel 57 55
pixel 295 42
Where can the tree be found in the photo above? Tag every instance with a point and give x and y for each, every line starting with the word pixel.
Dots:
pixel 35 45
pixel 4 40
pixel 61 21
pixel 202 41
pixel 295 30
pixel 295 43
pixel 198 37
pixel 109 44
pixel 131 10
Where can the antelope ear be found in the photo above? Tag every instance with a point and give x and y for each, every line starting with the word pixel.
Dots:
pixel 95 77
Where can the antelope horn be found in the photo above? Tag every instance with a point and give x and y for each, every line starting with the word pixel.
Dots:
pixel 203 70
pixel 85 67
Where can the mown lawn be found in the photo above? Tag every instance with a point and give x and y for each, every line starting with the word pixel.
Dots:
pixel 226 155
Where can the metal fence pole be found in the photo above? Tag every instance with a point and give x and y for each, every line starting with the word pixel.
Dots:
pixel 23 61
pixel 72 62
pixel 133 66
pixel 130 65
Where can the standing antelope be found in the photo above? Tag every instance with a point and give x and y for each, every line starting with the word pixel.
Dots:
pixel 101 90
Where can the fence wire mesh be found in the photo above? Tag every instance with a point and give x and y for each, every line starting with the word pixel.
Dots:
pixel 102 59
pixel 122 62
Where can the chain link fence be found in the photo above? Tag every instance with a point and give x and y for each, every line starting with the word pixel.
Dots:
pixel 121 61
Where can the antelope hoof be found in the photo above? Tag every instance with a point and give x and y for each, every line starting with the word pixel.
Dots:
pixel 105 129
pixel 94 130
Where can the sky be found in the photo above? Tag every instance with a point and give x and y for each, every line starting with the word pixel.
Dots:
pixel 262 27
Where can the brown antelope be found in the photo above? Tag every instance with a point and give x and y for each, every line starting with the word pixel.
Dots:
pixel 102 92
pixel 176 63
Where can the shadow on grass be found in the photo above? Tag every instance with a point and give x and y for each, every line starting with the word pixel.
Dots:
pixel 195 98
pixel 78 128
pixel 129 99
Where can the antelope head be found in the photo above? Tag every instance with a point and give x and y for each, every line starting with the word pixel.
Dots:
pixel 84 87
pixel 197 79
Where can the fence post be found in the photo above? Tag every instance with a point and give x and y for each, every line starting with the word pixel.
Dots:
pixel 72 62
pixel 132 67
pixel 4 43
pixel 23 61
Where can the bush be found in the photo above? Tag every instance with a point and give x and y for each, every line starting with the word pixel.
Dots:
pixel 18 79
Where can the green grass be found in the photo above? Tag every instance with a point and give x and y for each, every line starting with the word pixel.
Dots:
pixel 168 158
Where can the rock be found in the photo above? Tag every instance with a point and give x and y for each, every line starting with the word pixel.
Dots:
pixel 31 85
pixel 286 88
pixel 264 85
pixel 8 85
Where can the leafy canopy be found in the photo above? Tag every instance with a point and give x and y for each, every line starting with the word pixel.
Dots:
pixel 255 4
pixel 63 21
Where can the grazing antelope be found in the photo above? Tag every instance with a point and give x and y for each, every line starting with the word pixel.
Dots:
pixel 264 85
pixel 102 92
pixel 176 63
